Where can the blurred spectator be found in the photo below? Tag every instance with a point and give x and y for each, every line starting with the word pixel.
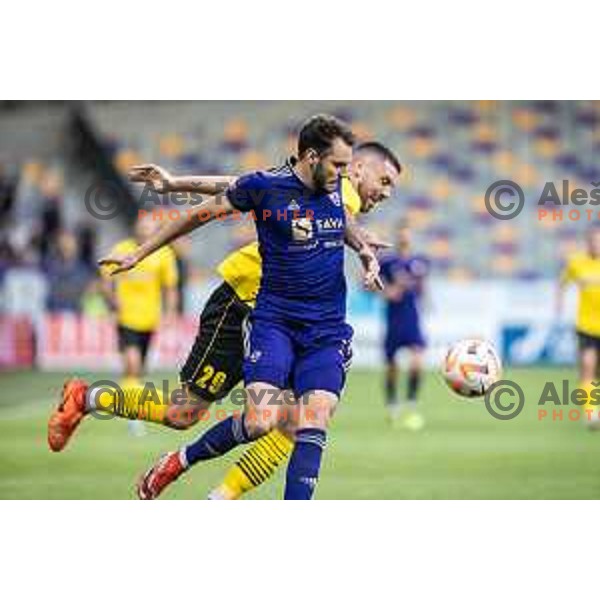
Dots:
pixel 8 257
pixel 51 217
pixel 68 276
pixel 93 303
pixel 7 194
pixel 87 244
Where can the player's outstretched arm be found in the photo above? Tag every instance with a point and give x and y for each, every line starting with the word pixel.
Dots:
pixel 201 215
pixel 164 182
pixel 355 238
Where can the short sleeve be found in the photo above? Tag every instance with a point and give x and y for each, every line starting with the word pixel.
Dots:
pixel 247 191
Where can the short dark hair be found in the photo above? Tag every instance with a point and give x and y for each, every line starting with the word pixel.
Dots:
pixel 319 131
pixel 381 150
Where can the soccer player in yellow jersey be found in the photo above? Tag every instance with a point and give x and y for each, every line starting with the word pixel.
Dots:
pixel 136 297
pixel 583 270
pixel 214 365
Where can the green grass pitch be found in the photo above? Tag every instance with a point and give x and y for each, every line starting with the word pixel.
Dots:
pixel 462 453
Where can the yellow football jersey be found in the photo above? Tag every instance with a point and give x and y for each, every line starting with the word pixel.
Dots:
pixel 242 269
pixel 139 291
pixel 584 271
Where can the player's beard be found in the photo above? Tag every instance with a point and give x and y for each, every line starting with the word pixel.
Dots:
pixel 320 178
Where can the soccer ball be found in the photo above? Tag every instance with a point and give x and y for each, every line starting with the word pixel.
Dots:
pixel 470 367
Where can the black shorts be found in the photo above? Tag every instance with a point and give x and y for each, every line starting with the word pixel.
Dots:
pixel 214 365
pixel 585 340
pixel 138 339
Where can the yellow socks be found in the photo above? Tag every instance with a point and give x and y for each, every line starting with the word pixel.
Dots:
pixel 135 402
pixel 255 466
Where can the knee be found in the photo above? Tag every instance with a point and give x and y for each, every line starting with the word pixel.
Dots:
pixel 317 412
pixel 258 422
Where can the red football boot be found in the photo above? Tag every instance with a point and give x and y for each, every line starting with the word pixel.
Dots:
pixel 158 477
pixel 67 416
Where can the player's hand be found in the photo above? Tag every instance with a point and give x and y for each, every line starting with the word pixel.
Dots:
pixel 119 263
pixel 374 241
pixel 156 176
pixel 371 279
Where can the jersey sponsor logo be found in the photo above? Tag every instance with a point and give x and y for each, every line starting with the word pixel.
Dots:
pixel 330 224
pixel 302 229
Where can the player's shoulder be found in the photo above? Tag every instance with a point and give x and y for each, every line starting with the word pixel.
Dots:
pixel 419 264
pixel 576 258
pixel 420 259
pixel 266 177
pixel 350 196
pixel 125 246
pixel 166 253
pixel 387 257
pixel 251 248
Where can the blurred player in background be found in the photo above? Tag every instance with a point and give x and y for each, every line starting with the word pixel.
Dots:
pixel 403 273
pixel 583 270
pixel 136 297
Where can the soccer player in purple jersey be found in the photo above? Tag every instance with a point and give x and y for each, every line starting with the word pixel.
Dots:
pixel 298 337
pixel 404 273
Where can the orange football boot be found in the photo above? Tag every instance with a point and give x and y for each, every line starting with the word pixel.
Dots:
pixel 67 416
pixel 159 476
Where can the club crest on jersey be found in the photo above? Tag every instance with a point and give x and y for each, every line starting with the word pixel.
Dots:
pixel 293 206
pixel 302 229
pixel 335 198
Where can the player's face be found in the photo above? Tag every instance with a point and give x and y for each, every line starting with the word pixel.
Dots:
pixel 403 237
pixel 594 243
pixel 144 229
pixel 378 177
pixel 329 167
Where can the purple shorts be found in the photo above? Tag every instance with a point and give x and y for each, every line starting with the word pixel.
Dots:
pixel 299 357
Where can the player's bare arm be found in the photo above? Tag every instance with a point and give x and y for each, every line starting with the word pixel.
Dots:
pixel 211 185
pixel 355 238
pixel 171 301
pixel 107 289
pixel 164 182
pixel 201 215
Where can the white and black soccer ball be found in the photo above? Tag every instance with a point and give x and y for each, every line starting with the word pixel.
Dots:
pixel 470 367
